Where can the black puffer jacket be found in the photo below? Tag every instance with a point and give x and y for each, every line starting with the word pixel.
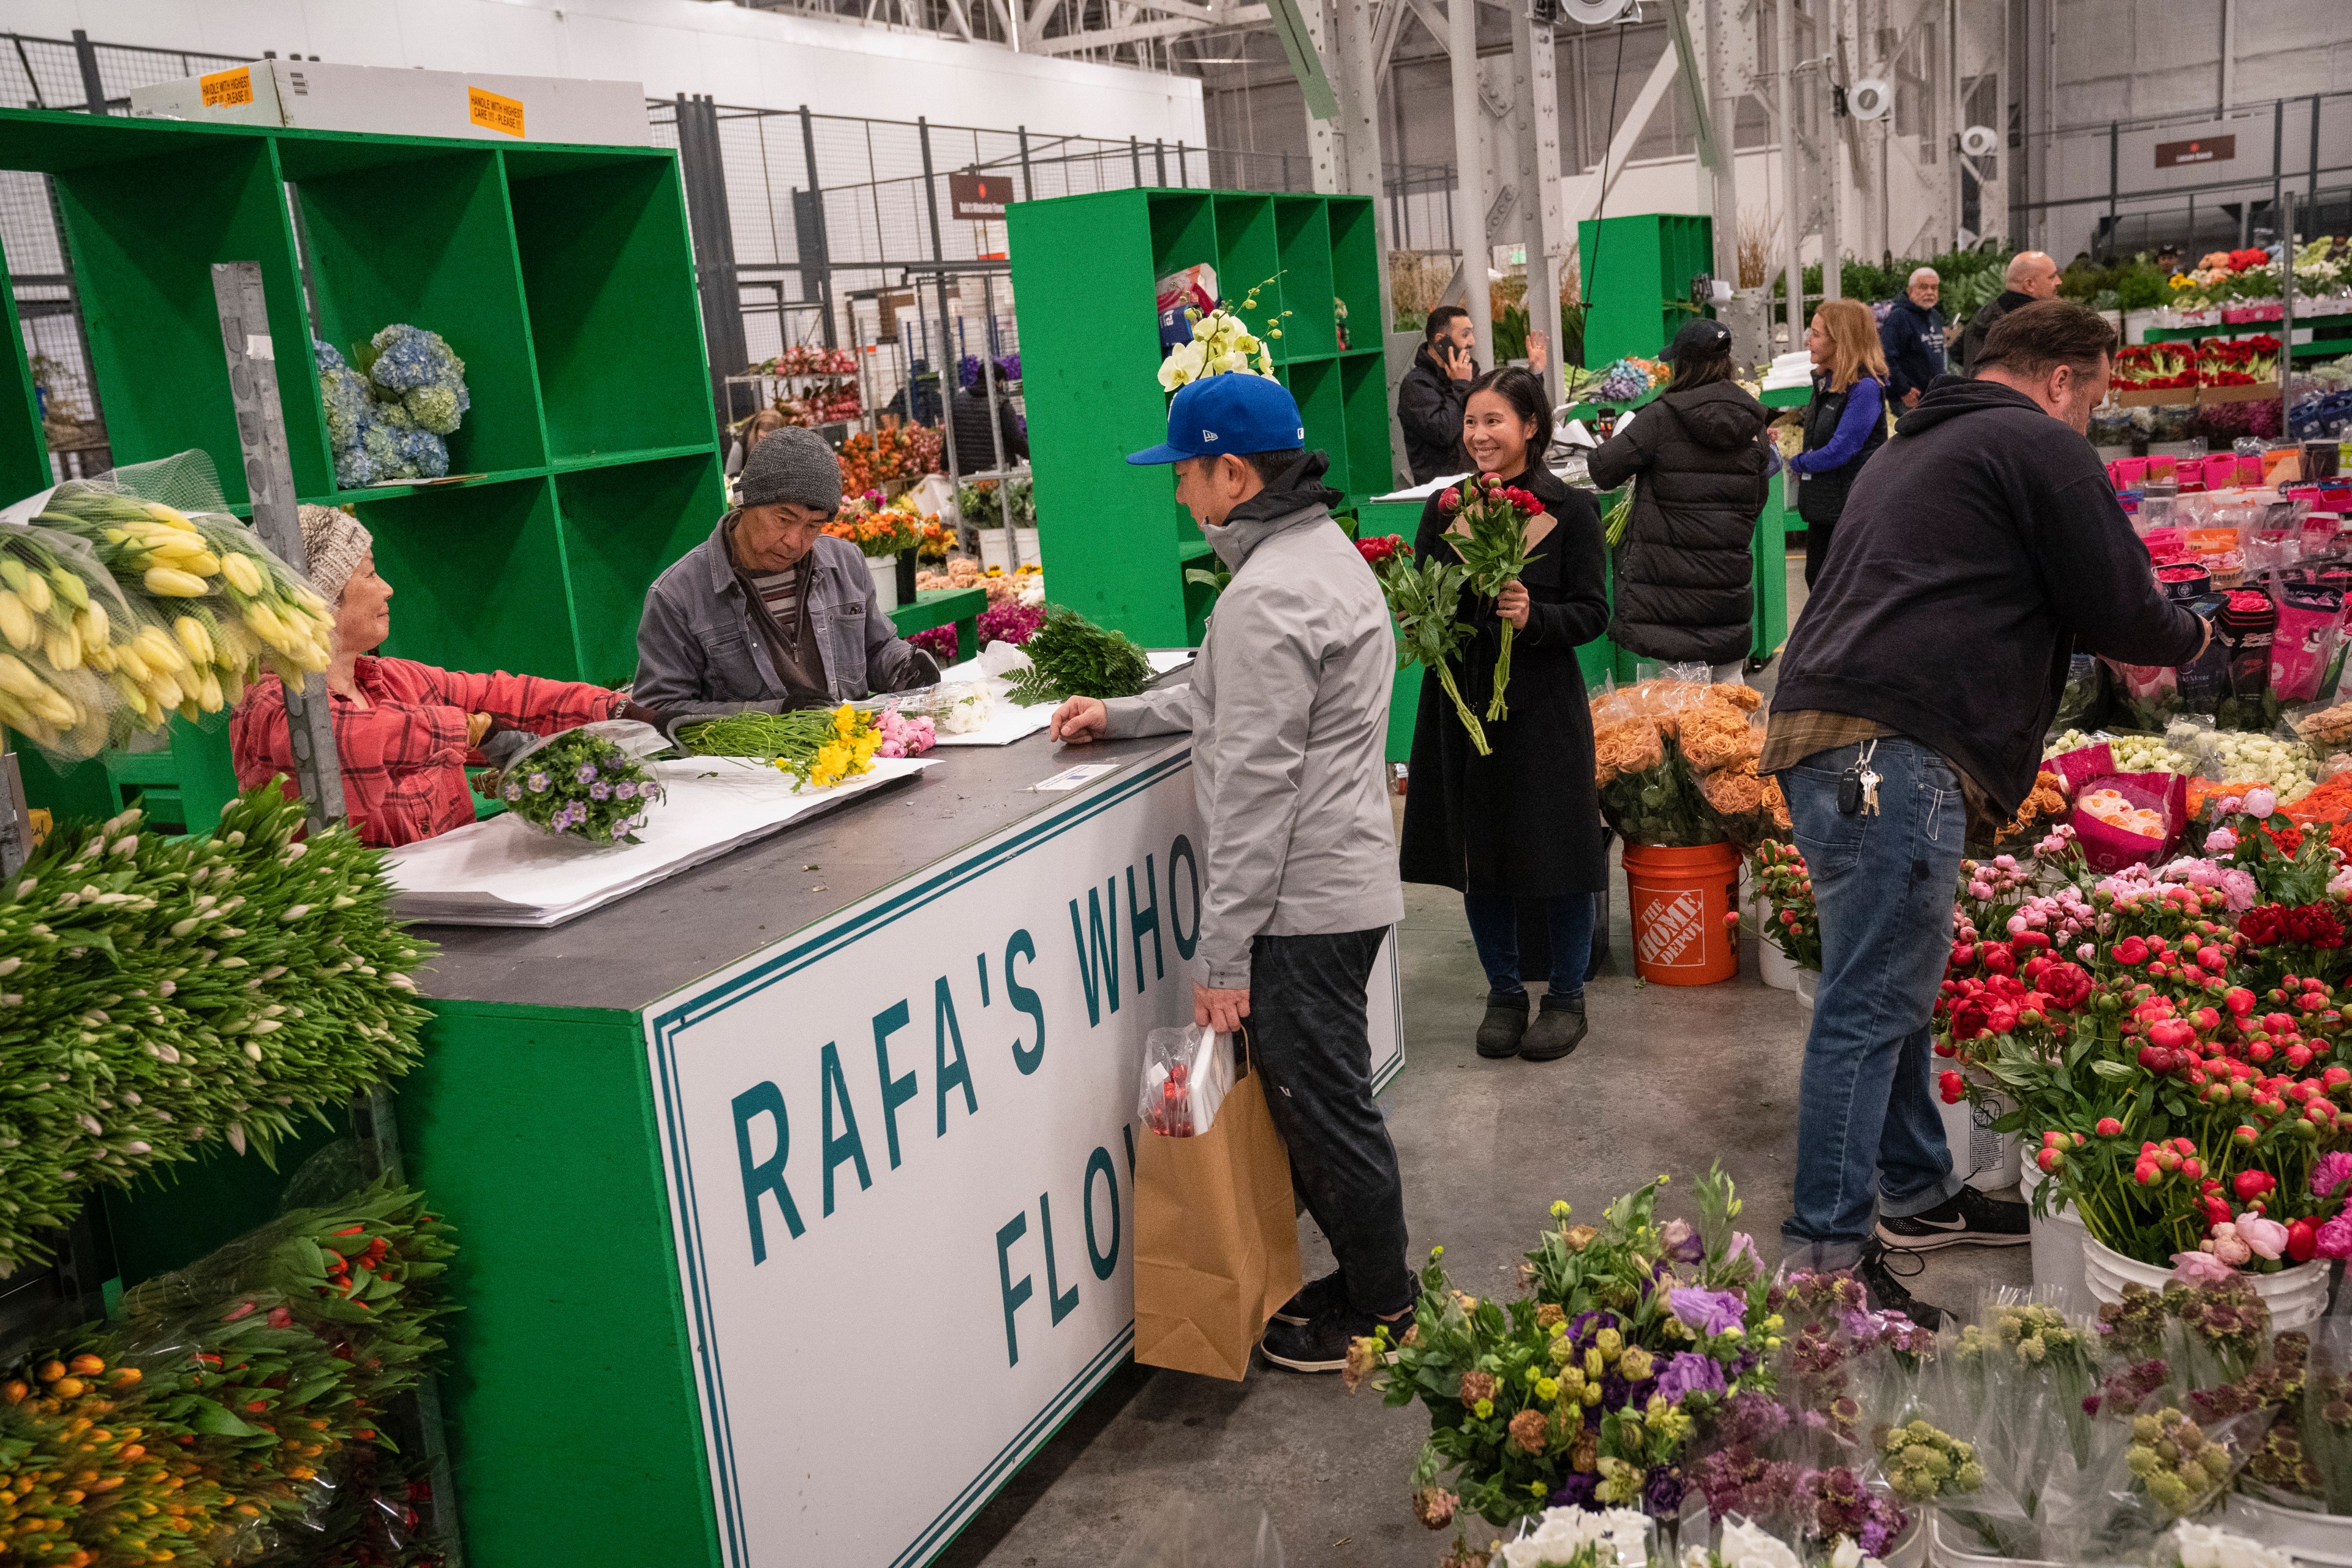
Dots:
pixel 1684 573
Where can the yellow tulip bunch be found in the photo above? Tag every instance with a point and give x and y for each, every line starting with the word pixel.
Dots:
pixel 116 613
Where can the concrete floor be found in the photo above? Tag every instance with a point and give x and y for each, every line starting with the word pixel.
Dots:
pixel 1670 1079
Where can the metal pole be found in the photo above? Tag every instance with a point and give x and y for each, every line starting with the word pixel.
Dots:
pixel 1792 266
pixel 996 439
pixel 1183 166
pixel 1028 193
pixel 2287 321
pixel 2311 202
pixel 270 484
pixel 2114 178
pixel 947 333
pixel 824 243
pixel 1135 158
pixel 2278 149
pixel 1469 165
pixel 1159 162
pixel 92 90
pixel 1834 215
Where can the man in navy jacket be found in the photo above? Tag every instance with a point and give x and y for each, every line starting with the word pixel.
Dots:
pixel 1912 337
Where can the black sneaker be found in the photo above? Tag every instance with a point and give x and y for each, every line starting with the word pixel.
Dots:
pixel 1322 1345
pixel 1888 1294
pixel 1328 1294
pixel 1556 1031
pixel 1966 1218
pixel 1505 1021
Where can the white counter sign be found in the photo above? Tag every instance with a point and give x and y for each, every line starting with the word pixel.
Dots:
pixel 900 1147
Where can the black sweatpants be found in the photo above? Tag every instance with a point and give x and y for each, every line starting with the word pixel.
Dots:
pixel 1309 1036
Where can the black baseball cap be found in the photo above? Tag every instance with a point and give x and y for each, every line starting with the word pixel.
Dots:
pixel 1699 338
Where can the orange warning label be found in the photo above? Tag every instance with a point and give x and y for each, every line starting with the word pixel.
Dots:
pixel 225 90
pixel 493 111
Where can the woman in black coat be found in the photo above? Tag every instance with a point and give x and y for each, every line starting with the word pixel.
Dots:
pixel 1525 822
pixel 1697 458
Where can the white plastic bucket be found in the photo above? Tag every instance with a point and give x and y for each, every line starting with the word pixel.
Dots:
pixel 883 569
pixel 1949 1555
pixel 1809 981
pixel 2296 1295
pixel 1776 968
pixel 2323 1539
pixel 1986 1160
pixel 1909 1549
pixel 2057 1243
pixel 992 545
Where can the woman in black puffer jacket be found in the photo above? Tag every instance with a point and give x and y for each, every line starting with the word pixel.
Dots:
pixel 1698 463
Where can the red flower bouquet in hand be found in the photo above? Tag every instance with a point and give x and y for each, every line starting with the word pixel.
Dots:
pixel 1494 547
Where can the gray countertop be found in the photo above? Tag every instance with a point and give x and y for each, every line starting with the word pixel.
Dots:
pixel 641 948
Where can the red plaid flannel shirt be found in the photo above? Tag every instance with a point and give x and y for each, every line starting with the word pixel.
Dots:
pixel 405 754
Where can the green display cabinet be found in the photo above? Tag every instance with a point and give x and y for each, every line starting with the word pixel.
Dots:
pixel 563 277
pixel 1637 272
pixel 1085 276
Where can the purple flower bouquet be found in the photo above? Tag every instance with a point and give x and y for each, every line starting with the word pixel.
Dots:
pixel 580 785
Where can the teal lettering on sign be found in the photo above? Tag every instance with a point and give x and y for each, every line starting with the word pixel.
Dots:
pixel 1063 1302
pixel 1103 1259
pixel 763 1175
pixel 943 1020
pixel 896 1091
pixel 1024 1000
pixel 848 1146
pixel 1181 851
pixel 1007 1234
pixel 1145 919
pixel 1098 944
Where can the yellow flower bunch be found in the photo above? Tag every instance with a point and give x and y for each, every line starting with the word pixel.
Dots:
pixel 850 751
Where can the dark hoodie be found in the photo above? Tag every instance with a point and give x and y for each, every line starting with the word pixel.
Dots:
pixel 1429 411
pixel 1991 311
pixel 1979 550
pixel 1685 570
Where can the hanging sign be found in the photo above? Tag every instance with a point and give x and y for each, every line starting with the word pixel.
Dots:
pixel 2202 150
pixel 899 1146
pixel 980 196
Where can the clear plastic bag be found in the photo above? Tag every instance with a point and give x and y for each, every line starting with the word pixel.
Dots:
pixel 1186 1074
pixel 1195 1533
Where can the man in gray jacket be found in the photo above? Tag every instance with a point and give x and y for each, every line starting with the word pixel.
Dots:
pixel 1288 708
pixel 771 612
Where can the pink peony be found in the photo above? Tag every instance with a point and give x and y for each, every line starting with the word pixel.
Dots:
pixel 2200 1268
pixel 2260 802
pixel 2335 1237
pixel 2221 841
pixel 2334 1169
pixel 2227 1246
pixel 2266 1237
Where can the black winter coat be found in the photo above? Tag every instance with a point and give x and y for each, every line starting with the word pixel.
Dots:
pixel 1525 821
pixel 1991 311
pixel 1686 568
pixel 975 446
pixel 1429 410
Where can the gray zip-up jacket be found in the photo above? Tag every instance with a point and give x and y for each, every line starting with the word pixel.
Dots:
pixel 703 646
pixel 1288 707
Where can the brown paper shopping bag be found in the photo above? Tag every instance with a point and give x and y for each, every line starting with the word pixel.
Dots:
pixel 1216 1237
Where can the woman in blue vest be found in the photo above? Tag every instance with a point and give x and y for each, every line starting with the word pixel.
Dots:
pixel 1845 423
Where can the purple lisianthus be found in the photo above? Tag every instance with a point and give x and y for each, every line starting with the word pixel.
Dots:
pixel 587 773
pixel 1687 1372
pixel 600 790
pixel 1661 1494
pixel 625 790
pixel 538 783
pixel 1743 1245
pixel 514 792
pixel 620 830
pixel 1681 1241
pixel 1577 1491
pixel 1710 1313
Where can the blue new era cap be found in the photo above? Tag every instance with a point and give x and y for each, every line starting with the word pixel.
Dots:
pixel 1237 412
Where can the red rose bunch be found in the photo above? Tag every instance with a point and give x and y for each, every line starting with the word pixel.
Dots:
pixel 1380 547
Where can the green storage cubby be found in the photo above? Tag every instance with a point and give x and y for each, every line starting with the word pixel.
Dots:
pixel 1638 271
pixel 24 449
pixel 563 277
pixel 1084 271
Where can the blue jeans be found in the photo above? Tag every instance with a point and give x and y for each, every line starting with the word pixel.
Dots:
pixel 1867 1127
pixel 1495 928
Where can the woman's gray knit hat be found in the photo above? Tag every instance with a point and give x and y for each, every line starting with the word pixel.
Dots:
pixel 336 542
pixel 795 465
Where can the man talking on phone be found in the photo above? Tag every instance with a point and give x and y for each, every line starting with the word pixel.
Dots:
pixel 1429 395
pixel 1288 710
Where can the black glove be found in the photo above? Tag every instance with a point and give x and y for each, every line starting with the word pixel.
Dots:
pixel 502 746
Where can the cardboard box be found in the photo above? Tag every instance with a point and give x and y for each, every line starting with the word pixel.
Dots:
pixel 387 100
pixel 2149 397
pixel 2260 391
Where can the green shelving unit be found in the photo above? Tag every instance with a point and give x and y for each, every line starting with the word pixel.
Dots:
pixel 1085 270
pixel 562 276
pixel 1638 269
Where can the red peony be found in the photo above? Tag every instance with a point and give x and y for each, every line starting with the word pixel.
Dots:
pixel 1998 958
pixel 1381 547
pixel 1450 501
pixel 2261 926
pixel 2315 925
pixel 2132 949
pixel 1974 1016
pixel 2068 985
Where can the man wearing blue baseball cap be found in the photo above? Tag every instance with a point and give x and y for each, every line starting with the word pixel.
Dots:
pixel 1288 708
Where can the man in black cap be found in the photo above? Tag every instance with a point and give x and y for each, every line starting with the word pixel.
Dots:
pixel 771 612
pixel 1697 458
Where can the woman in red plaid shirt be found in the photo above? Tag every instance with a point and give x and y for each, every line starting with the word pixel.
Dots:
pixel 404 731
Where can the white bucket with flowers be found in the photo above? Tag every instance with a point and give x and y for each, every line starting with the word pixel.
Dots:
pixel 1943 1543
pixel 2296 1295
pixel 2304 1533
pixel 2057 1239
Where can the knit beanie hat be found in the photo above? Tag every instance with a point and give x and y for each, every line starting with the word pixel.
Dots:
pixel 336 544
pixel 793 464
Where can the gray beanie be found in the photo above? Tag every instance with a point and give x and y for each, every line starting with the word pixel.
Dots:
pixel 336 543
pixel 795 465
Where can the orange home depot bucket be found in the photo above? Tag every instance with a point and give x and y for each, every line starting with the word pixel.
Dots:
pixel 1679 900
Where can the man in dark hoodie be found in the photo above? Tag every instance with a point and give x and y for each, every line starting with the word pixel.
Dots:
pixel 1696 459
pixel 1912 338
pixel 1429 395
pixel 2031 276
pixel 1979 550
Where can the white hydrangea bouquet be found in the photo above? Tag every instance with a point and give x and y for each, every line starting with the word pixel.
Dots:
pixel 1221 343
